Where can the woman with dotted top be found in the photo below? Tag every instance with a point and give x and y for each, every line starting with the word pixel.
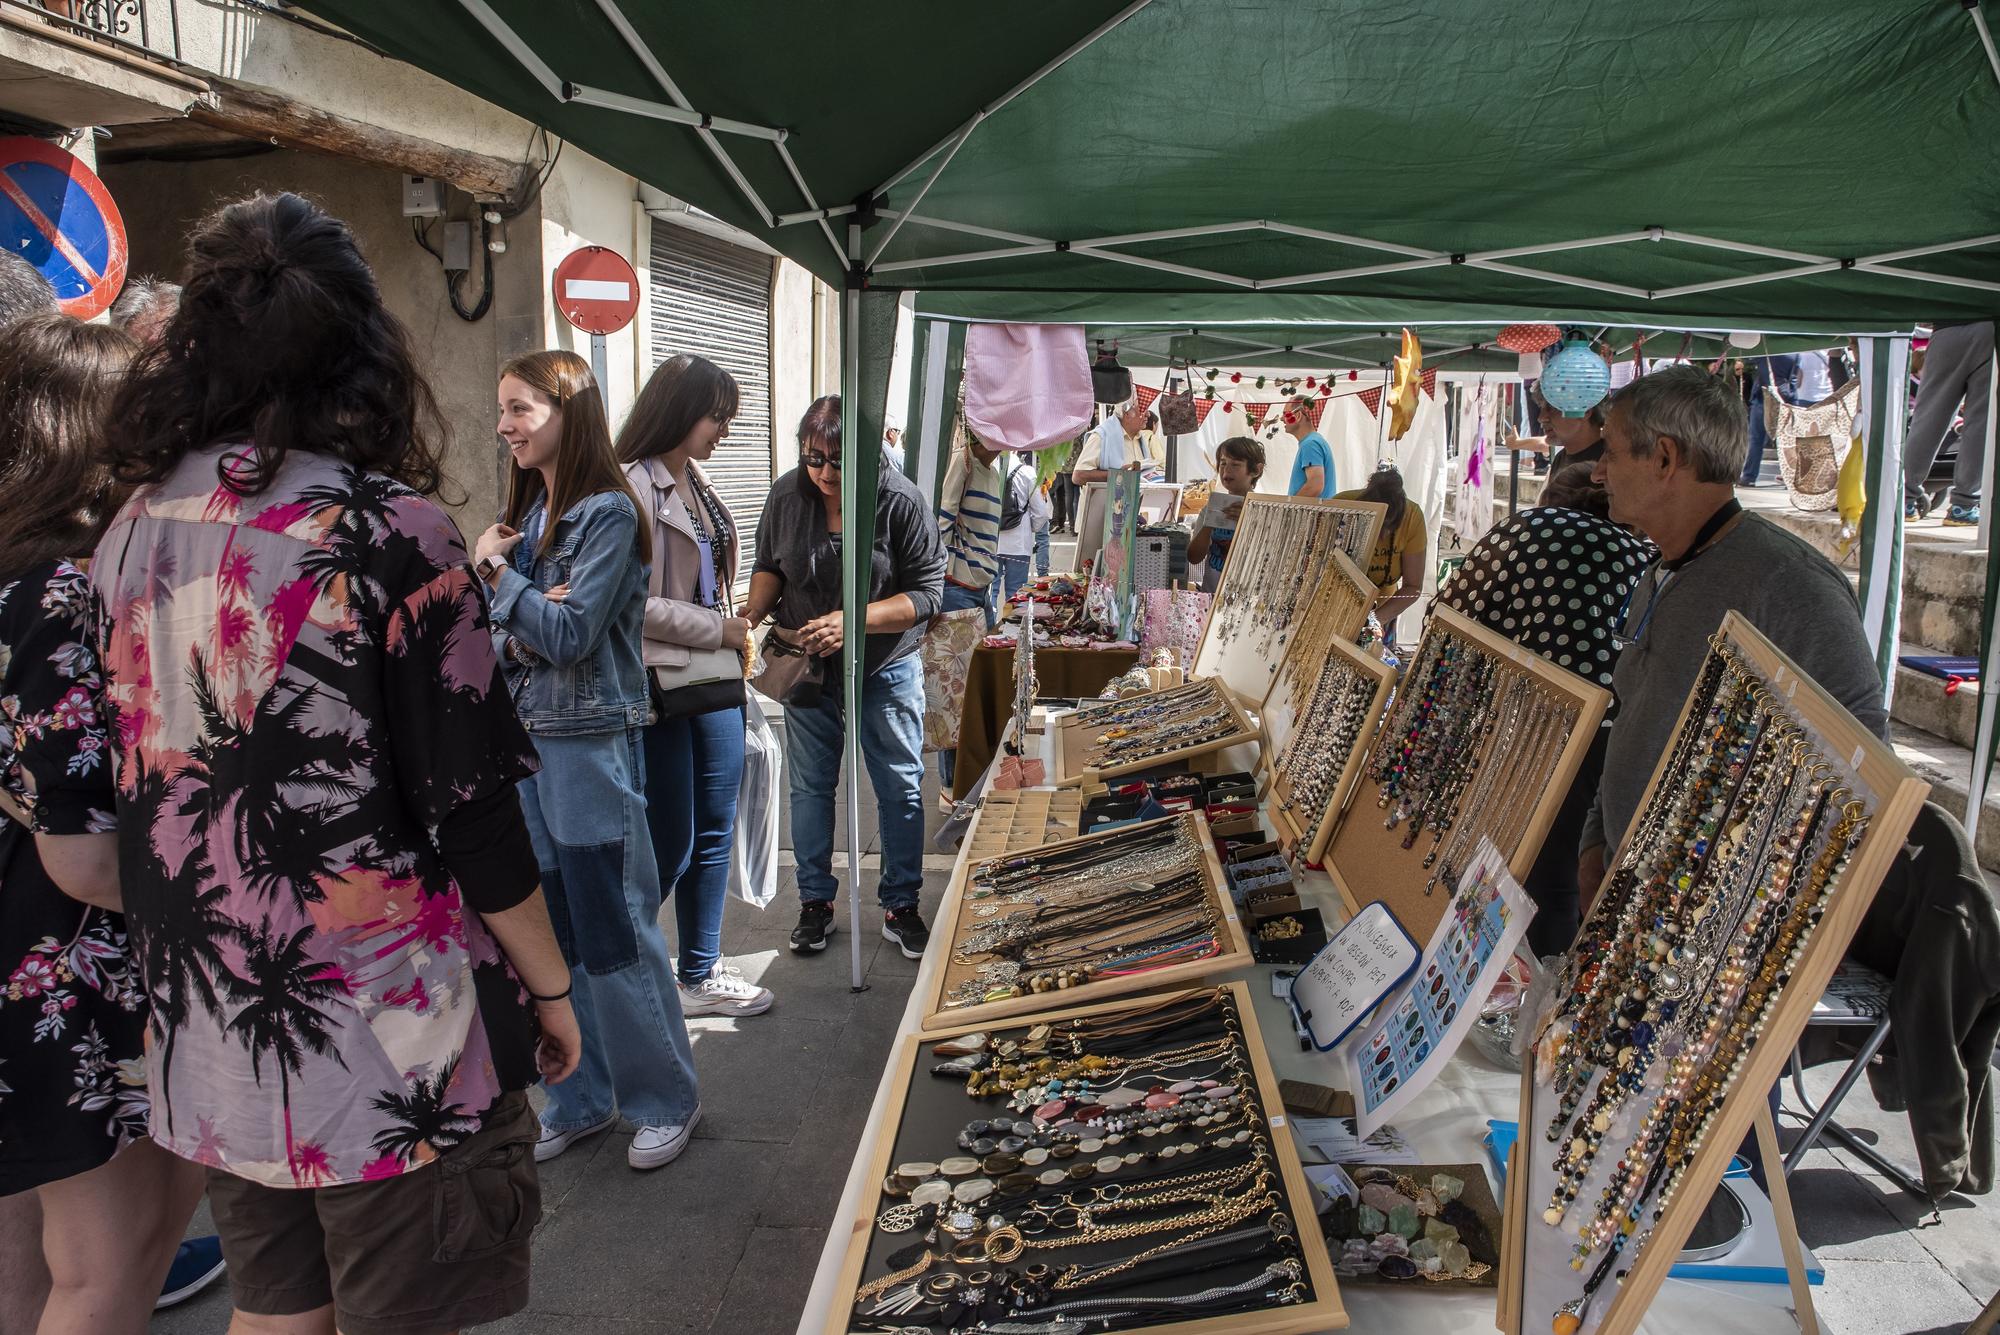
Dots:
pixel 1554 580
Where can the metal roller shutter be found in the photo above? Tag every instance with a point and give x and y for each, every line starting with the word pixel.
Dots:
pixel 714 300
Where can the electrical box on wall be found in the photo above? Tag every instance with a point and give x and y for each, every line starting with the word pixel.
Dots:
pixel 456 246
pixel 423 197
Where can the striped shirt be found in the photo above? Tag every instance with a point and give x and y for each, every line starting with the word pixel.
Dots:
pixel 969 521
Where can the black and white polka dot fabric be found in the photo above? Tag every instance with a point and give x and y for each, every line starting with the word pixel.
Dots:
pixel 1553 581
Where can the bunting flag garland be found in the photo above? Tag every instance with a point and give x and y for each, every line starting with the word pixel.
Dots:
pixel 1256 412
pixel 1371 399
pixel 1430 382
pixel 1146 395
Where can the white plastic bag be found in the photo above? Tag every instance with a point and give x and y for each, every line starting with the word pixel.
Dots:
pixel 753 864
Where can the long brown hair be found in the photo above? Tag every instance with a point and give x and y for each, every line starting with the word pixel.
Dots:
pixel 281 341
pixel 585 464
pixel 57 380
pixel 682 391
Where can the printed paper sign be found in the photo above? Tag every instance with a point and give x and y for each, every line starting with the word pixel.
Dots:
pixel 1416 1032
pixel 1366 960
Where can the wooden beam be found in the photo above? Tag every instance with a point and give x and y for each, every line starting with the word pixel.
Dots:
pixel 270 117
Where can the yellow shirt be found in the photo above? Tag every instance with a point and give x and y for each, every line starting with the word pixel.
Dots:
pixel 1385 564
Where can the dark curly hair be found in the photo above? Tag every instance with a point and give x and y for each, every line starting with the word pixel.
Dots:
pixel 57 378
pixel 282 343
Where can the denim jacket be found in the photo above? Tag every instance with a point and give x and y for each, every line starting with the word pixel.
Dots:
pixel 582 671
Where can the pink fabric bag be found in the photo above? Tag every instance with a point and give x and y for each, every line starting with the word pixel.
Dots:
pixel 1027 386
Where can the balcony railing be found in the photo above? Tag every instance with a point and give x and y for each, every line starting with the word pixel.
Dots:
pixel 151 27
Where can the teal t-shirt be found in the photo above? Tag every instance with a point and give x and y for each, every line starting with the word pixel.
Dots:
pixel 1315 451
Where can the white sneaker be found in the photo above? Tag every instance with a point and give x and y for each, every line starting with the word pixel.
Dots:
pixel 553 1143
pixel 658 1146
pixel 725 992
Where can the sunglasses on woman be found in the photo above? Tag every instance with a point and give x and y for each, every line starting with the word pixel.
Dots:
pixel 814 459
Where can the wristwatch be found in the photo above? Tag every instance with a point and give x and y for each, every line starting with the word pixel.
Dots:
pixel 485 567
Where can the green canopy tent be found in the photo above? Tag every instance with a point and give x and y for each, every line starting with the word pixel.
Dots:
pixel 1689 163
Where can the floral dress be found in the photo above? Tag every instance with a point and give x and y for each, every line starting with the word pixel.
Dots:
pixel 72 1017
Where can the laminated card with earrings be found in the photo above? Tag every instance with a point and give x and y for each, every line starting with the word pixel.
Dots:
pixel 1107 1167
pixel 1768 826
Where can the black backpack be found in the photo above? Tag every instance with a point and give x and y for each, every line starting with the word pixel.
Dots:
pixel 1014 505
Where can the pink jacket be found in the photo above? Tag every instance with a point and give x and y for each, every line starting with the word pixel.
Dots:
pixel 675 623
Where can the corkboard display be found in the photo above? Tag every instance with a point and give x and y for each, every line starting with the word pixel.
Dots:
pixel 1247 631
pixel 1338 660
pixel 1367 860
pixel 958 915
pixel 1075 735
pixel 922 1107
pixel 1537 1276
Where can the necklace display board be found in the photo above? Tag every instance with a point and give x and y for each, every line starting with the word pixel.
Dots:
pixel 1141 906
pixel 1139 732
pixel 1319 722
pixel 1282 553
pixel 1484 738
pixel 1012 819
pixel 1108 1166
pixel 1767 827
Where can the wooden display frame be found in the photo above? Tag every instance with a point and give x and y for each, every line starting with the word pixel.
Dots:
pixel 1247 668
pixel 1367 860
pixel 1898 795
pixel 1276 716
pixel 1073 736
pixel 1012 819
pixel 953 921
pixel 1324 1312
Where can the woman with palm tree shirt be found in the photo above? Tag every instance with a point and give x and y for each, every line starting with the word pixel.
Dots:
pixel 568 575
pixel 324 867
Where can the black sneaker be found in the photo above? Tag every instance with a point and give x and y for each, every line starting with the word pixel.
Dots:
pixel 815 926
pixel 905 927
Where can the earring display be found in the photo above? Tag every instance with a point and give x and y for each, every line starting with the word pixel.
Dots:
pixel 1013 819
pixel 1319 721
pixel 1140 906
pixel 1103 1168
pixel 1482 739
pixel 1143 731
pixel 1768 826
pixel 1285 551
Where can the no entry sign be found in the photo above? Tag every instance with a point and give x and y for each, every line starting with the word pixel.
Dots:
pixel 596 290
pixel 57 215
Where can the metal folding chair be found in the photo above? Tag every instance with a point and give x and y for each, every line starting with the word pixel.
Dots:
pixel 1857 998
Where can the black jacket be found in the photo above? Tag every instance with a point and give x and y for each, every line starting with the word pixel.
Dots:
pixel 1934 929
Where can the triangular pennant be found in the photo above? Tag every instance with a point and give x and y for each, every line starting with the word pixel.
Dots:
pixel 1430 383
pixel 1255 412
pixel 1371 399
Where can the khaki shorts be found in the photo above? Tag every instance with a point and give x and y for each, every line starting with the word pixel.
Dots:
pixel 438 1248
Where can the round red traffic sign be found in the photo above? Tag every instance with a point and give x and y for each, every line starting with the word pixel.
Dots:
pixel 596 290
pixel 58 216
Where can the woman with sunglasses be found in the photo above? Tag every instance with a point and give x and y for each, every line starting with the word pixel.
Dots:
pixel 797 583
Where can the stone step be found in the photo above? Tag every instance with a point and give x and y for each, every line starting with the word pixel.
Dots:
pixel 1929 705
pixel 1947 768
pixel 1944 576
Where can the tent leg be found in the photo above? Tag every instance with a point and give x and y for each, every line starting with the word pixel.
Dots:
pixel 853 595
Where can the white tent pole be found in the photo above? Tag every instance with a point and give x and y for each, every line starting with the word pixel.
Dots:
pixel 587 96
pixel 1565 279
pixel 1169 234
pixel 814 215
pixel 1343 239
pixel 929 181
pixel 616 17
pixel 1740 247
pixel 1364 271
pixel 854 659
pixel 805 193
pixel 1985 36
pixel 1583 243
pixel 970 229
pixel 1919 275
pixel 1746 280
pixel 1015 92
pixel 940 261
pixel 1984 718
pixel 516 48
pixel 1140 261
pixel 1917 252
pixel 936 348
pixel 1986 464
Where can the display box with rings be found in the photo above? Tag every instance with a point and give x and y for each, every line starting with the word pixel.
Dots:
pixel 1136 907
pixel 1117 1165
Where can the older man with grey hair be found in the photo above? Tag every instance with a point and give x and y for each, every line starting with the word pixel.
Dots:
pixel 146 307
pixel 1674 445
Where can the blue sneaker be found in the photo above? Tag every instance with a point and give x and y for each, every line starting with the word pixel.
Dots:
pixel 1962 516
pixel 1912 510
pixel 197 1265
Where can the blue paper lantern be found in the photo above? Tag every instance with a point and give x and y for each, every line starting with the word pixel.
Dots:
pixel 1575 379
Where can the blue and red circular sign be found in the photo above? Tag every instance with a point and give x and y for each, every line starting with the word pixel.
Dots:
pixel 57 215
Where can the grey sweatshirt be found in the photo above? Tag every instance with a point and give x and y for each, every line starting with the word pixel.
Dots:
pixel 1787 590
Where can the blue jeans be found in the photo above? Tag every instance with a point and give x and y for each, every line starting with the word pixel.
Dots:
pixel 694 768
pixel 956 598
pixel 1014 569
pixel 586 815
pixel 892 746
pixel 1041 551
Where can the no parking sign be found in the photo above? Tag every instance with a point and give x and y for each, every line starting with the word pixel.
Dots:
pixel 57 215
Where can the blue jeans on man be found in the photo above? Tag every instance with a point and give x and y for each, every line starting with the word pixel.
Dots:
pixel 586 816
pixel 892 748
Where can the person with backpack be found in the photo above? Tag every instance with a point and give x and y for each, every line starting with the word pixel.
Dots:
pixel 1024 517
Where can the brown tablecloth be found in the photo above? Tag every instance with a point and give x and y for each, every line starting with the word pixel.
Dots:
pixel 989 696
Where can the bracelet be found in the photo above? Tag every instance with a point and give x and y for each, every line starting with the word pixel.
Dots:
pixel 560 996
